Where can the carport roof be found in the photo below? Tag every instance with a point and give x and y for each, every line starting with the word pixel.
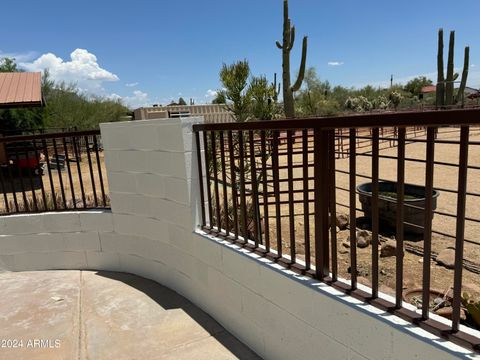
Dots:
pixel 20 89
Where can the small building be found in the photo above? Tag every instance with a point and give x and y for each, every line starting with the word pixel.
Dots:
pixel 19 90
pixel 429 89
pixel 213 113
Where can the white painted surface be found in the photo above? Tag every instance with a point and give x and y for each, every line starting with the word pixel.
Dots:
pixel 152 175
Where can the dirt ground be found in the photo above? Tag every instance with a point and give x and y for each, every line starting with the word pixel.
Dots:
pixel 444 177
pixel 55 178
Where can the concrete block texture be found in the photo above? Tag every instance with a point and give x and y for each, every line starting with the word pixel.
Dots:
pixel 81 241
pixel 133 160
pixel 151 166
pixel 144 137
pixel 170 138
pixel 101 221
pixel 127 203
pixel 18 244
pixel 150 184
pixel 17 224
pixel 122 182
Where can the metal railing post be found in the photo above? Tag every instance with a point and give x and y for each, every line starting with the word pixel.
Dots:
pixel 321 205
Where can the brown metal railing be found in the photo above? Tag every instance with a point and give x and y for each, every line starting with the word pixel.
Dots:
pixel 262 193
pixel 52 172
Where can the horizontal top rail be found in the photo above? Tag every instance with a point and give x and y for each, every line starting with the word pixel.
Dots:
pixel 394 119
pixel 8 139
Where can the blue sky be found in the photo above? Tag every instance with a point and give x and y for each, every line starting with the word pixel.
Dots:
pixel 153 51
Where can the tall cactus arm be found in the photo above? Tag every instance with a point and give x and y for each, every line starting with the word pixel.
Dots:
pixel 301 72
pixel 449 86
pixel 292 38
pixel 463 83
pixel 279 45
pixel 440 74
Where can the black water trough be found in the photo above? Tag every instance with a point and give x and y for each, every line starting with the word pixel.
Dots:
pixel 414 218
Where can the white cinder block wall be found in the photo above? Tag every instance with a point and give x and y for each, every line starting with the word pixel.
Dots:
pixel 152 173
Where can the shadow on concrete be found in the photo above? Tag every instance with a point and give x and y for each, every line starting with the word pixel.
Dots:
pixel 169 299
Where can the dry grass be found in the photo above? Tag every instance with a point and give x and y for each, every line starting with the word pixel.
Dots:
pixel 444 177
pixel 70 198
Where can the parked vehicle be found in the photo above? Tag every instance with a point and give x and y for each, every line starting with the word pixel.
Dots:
pixel 22 156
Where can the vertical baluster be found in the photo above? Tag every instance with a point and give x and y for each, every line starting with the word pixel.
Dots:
pixel 78 156
pixel 209 180
pixel 460 226
pixel 50 177
pixel 30 162
pixel 40 175
pixel 4 189
pixel 265 191
pixel 215 182
pixel 254 192
pixel 200 179
pixel 306 206
pixel 276 189
pixel 90 168
pixel 224 181
pixel 231 152
pixel 375 210
pixel 353 207
pixel 59 171
pixel 291 209
pixel 20 176
pixel 69 171
pixel 400 216
pixel 243 201
pixel 332 203
pixel 321 188
pixel 427 234
pixel 100 174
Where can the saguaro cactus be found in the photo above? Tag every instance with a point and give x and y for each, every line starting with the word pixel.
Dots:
pixel 440 75
pixel 445 87
pixel 275 88
pixel 463 83
pixel 449 87
pixel 286 46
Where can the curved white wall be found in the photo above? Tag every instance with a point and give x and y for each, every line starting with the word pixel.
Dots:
pixel 152 175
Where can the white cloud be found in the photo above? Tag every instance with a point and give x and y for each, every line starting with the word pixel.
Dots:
pixel 134 101
pixel 335 63
pixel 82 69
pixel 210 93
pixel 19 57
pixel 131 84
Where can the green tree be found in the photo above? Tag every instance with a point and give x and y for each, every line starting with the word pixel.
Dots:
pixel 219 98
pixel 181 101
pixel 8 65
pixel 261 94
pixel 234 79
pixel 315 99
pixel 415 85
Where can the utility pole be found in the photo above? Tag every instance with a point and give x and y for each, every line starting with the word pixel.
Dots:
pixel 391 81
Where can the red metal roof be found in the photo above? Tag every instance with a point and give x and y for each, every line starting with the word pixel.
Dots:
pixel 429 89
pixel 20 89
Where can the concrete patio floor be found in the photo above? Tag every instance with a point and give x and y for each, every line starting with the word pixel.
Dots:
pixel 105 315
